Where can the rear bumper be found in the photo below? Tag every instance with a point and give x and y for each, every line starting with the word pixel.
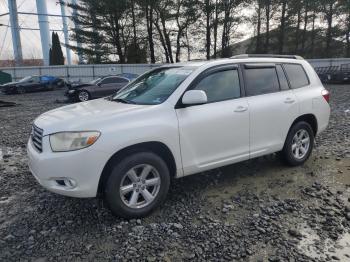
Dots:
pixel 84 167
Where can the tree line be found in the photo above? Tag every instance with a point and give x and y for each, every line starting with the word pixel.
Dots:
pixel 139 31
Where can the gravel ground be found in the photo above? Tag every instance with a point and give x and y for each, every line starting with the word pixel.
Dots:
pixel 258 210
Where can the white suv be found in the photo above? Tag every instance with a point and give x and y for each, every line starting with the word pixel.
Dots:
pixel 178 120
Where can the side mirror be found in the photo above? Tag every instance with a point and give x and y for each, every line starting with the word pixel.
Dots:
pixel 194 97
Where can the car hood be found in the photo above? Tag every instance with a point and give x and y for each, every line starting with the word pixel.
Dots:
pixel 91 115
pixel 77 86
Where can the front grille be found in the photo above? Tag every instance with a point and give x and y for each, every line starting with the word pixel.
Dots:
pixel 37 137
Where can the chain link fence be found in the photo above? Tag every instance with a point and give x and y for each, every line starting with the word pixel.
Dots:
pixel 78 72
pixel 88 72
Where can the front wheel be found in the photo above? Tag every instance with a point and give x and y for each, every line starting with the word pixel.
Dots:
pixel 83 96
pixel 299 143
pixel 137 185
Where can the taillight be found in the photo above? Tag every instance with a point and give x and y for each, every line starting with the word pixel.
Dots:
pixel 325 94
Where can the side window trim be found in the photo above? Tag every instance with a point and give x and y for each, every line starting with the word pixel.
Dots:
pixel 285 75
pixel 208 72
pixel 247 66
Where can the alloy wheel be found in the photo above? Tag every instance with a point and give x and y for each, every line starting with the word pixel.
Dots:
pixel 83 96
pixel 300 144
pixel 140 186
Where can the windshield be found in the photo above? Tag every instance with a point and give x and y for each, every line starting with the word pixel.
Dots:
pixel 95 81
pixel 154 87
pixel 25 79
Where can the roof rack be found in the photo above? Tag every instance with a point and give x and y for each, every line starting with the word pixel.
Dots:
pixel 267 55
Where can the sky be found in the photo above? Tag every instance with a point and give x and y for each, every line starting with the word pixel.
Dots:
pixel 30 39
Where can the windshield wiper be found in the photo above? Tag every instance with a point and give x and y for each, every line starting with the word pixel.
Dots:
pixel 122 100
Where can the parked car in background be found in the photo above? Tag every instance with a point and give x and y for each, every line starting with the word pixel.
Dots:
pixel 32 84
pixel 334 74
pixel 100 87
pixel 342 76
pixel 178 120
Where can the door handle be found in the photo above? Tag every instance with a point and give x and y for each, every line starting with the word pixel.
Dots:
pixel 289 100
pixel 240 109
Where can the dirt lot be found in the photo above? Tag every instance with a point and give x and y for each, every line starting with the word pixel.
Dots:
pixel 258 210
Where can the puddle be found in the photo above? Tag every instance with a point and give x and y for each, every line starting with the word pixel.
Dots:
pixel 316 248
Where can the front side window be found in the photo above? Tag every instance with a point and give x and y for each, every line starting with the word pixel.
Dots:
pixel 35 79
pixel 220 86
pixel 261 81
pixel 154 87
pixel 296 75
pixel 95 81
pixel 119 80
pixel 113 80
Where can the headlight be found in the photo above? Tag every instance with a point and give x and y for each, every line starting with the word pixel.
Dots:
pixel 71 91
pixel 69 141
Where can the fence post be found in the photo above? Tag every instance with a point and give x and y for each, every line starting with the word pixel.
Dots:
pixel 67 73
pixel 93 71
pixel 14 74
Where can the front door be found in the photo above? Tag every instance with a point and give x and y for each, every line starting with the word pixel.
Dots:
pixel 216 133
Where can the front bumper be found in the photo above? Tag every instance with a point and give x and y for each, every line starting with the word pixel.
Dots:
pixel 71 93
pixel 82 166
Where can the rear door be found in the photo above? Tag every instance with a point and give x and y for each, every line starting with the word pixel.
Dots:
pixel 272 107
pixel 216 133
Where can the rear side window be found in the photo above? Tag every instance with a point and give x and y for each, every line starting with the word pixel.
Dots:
pixel 296 75
pixel 220 86
pixel 112 80
pixel 261 81
pixel 119 80
pixel 282 78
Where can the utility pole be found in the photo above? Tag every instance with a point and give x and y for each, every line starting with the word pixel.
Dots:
pixel 65 31
pixel 77 26
pixel 16 37
pixel 44 29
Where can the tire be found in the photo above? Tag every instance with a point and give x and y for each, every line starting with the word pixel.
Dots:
pixel 83 96
pixel 21 90
pixel 122 204
pixel 296 150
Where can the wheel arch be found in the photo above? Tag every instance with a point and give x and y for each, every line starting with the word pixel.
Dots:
pixel 308 118
pixel 156 147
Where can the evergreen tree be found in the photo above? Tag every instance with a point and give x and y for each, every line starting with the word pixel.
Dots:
pixel 56 54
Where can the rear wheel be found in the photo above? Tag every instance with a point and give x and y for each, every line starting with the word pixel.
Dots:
pixel 137 185
pixel 299 143
pixel 83 96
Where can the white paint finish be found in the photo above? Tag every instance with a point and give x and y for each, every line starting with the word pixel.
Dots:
pixel 213 135
pixel 271 116
pixel 200 137
pixel 194 97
